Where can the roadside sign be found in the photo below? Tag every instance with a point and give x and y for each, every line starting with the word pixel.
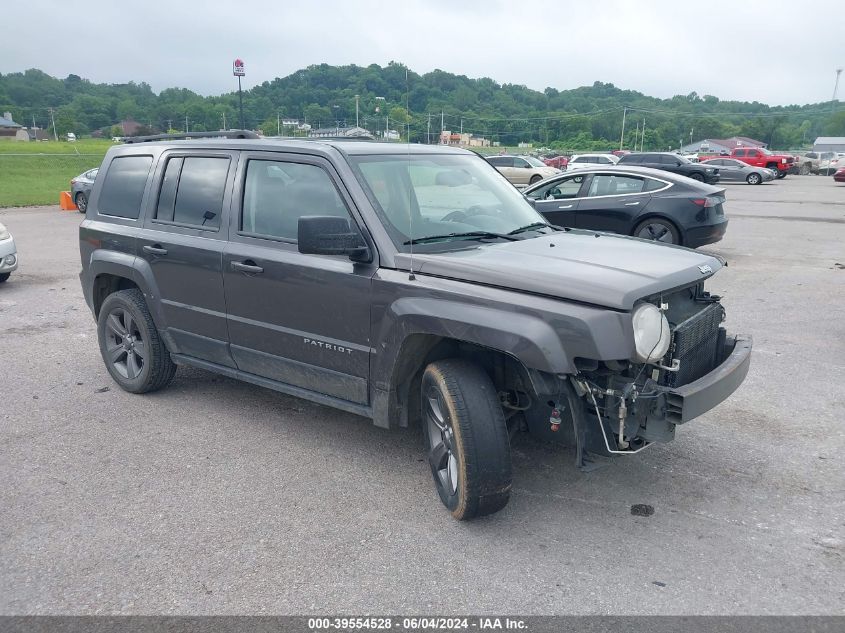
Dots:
pixel 238 68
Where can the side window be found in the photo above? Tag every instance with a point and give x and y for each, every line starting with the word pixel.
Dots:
pixel 192 191
pixel 124 186
pixel 604 160
pixel 277 194
pixel 753 153
pixel 560 190
pixel 610 185
pixel 740 152
pixel 653 185
pixel 496 161
pixel 519 162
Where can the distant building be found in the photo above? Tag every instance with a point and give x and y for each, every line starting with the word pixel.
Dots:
pixel 32 134
pixel 829 144
pixel 335 132
pixel 129 126
pixel 290 122
pixel 721 145
pixel 7 126
pixel 462 140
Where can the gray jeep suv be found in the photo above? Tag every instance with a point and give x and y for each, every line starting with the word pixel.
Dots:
pixel 407 284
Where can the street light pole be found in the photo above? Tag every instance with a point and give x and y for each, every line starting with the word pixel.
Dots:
pixel 357 98
pixel 835 88
pixel 622 138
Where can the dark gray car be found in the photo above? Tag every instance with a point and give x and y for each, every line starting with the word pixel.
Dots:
pixel 80 188
pixel 732 170
pixel 407 284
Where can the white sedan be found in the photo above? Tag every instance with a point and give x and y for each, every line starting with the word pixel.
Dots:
pixel 8 253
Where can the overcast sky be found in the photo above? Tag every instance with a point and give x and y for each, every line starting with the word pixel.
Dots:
pixel 776 52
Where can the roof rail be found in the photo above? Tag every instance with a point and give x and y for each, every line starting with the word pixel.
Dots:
pixel 189 135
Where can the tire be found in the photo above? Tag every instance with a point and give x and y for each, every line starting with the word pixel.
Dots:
pixel 466 438
pixel 780 175
pixel 754 179
pixel 4 277
pixel 131 347
pixel 81 202
pixel 535 178
pixel 658 230
pixel 697 176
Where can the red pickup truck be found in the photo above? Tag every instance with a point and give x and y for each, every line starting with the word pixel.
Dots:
pixel 761 157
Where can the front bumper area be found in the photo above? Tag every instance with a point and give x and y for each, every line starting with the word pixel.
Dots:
pixel 8 255
pixel 689 401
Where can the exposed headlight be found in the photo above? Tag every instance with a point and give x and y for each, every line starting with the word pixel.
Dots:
pixel 4 232
pixel 651 333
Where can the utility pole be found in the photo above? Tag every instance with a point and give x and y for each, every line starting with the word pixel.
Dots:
pixel 55 134
pixel 622 138
pixel 428 131
pixel 186 124
pixel 835 88
pixel 442 122
pixel 357 99
pixel 278 124
pixel 642 141
pixel 224 121
pixel 462 125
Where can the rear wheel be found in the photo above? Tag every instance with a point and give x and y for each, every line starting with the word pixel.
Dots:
pixel 132 350
pixel 81 202
pixel 658 230
pixel 466 438
pixel 754 179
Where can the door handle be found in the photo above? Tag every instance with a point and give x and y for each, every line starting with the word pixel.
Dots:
pixel 631 204
pixel 566 206
pixel 155 250
pixel 247 266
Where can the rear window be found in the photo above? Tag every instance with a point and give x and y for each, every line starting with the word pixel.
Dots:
pixel 123 188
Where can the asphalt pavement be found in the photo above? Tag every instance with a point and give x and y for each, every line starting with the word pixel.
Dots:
pixel 217 497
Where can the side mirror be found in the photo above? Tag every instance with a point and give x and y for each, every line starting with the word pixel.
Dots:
pixel 330 235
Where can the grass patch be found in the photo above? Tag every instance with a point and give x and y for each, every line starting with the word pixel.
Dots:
pixel 34 173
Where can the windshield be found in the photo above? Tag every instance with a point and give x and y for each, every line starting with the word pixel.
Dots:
pixel 534 162
pixel 442 196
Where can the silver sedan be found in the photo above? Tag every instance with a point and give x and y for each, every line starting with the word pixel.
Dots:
pixel 732 170
pixel 8 254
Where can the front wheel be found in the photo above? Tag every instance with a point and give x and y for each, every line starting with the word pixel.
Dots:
pixel 697 176
pixel 754 179
pixel 535 179
pixel 134 353
pixel 780 175
pixel 466 438
pixel 81 201
pixel 4 277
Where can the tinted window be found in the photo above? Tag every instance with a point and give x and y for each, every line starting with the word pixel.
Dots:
pixel 739 152
pixel 604 160
pixel 277 194
pixel 631 158
pixel 607 185
pixel 192 191
pixel 124 186
pixel 753 152
pixel 501 161
pixel 560 190
pixel 519 162
pixel 668 160
pixel 653 185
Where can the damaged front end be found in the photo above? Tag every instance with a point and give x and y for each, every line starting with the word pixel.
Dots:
pixel 623 406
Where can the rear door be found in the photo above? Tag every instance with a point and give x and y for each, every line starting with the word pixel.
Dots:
pixel 183 239
pixel 612 201
pixel 521 172
pixel 558 200
pixel 303 320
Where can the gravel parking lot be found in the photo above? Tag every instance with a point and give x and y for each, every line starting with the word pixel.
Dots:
pixel 217 497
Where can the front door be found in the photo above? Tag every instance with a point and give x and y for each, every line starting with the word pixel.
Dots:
pixel 558 200
pixel 183 241
pixel 303 320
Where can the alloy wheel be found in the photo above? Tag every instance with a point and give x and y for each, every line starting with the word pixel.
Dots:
pixel 656 231
pixel 125 346
pixel 441 435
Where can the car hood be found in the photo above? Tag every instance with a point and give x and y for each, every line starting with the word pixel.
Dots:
pixel 613 271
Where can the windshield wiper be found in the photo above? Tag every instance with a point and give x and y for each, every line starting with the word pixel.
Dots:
pixel 475 235
pixel 528 227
